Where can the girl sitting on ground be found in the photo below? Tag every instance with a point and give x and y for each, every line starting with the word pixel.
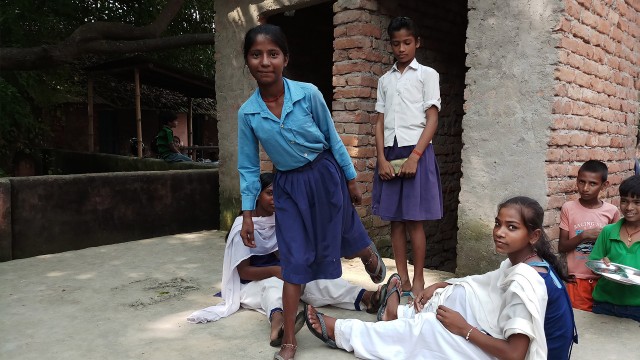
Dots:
pixel 519 311
pixel 251 277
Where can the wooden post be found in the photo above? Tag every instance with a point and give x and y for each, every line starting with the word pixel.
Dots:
pixel 90 114
pixel 190 129
pixel 138 111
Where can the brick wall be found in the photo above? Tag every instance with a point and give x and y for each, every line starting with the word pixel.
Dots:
pixel 595 111
pixel 361 56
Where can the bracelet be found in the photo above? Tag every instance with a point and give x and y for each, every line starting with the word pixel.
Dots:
pixel 468 333
pixel 419 153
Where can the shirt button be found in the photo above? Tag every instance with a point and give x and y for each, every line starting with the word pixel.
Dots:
pixel 293 142
pixel 281 125
pixel 305 154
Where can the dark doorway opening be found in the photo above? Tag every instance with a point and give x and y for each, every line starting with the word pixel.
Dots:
pixel 309 33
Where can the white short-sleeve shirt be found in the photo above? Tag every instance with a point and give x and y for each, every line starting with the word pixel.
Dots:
pixel 404 98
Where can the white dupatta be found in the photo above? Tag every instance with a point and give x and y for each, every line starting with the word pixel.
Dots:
pixel 264 231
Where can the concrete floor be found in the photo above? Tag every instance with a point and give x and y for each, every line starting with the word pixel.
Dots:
pixel 130 301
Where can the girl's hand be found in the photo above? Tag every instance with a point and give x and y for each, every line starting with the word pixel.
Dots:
pixel 246 233
pixel 426 294
pixel 452 321
pixel 409 168
pixel 354 191
pixel 606 261
pixel 385 170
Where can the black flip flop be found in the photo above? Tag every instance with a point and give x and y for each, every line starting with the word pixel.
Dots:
pixel 324 336
pixel 387 294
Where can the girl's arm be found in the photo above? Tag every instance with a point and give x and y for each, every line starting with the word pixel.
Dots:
pixel 514 347
pixel 256 273
pixel 385 170
pixel 410 167
pixel 323 120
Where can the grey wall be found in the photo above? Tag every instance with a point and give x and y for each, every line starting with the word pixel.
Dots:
pixel 49 214
pixel 509 93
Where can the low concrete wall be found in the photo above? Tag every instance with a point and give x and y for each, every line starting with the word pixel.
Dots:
pixel 62 162
pixel 50 214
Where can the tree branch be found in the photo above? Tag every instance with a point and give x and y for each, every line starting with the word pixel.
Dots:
pixel 103 38
pixel 50 56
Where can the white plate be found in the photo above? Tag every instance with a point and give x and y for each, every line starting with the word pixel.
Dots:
pixel 615 272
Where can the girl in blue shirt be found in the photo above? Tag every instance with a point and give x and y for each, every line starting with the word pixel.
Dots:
pixel 314 187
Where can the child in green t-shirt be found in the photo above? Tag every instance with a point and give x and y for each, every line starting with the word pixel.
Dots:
pixel 620 243
pixel 167 150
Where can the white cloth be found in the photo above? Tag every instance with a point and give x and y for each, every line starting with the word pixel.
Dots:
pixel 503 302
pixel 403 98
pixel 266 295
pixel 235 251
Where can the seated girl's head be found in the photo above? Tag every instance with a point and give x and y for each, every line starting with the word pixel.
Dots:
pixel 519 231
pixel 265 205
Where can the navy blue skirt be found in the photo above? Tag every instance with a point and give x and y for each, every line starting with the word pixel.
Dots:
pixel 415 199
pixel 316 223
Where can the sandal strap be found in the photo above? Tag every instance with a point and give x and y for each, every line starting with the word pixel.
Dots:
pixel 294 347
pixel 325 334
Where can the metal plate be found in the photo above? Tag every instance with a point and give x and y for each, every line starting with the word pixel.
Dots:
pixel 615 272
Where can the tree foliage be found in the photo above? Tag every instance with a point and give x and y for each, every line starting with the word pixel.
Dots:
pixel 44 44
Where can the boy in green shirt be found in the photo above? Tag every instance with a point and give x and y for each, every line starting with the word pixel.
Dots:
pixel 620 243
pixel 167 150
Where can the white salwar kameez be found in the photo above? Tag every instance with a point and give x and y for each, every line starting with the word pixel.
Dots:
pixel 266 295
pixel 503 302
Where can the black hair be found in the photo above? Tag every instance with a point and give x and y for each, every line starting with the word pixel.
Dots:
pixel 630 186
pixel 596 167
pixel 532 217
pixel 273 32
pixel 402 22
pixel 266 179
pixel 166 117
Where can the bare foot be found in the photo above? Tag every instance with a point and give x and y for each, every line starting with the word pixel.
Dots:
pixel 391 311
pixel 329 321
pixel 277 330
pixel 287 351
pixel 418 286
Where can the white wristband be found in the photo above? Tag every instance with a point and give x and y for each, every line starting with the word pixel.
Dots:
pixel 468 334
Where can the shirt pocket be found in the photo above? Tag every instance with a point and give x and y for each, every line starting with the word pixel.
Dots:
pixel 303 128
pixel 411 92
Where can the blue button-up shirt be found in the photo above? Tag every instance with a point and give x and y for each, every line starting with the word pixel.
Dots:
pixel 304 130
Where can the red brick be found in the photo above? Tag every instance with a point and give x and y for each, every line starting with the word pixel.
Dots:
pixel 355 140
pixel 589 19
pixel 554 155
pixel 355 4
pixel 581 31
pixel 348 16
pixel 366 54
pixel 361 152
pixel 565 74
pixel 569 44
pixel 362 80
pixel 353 92
pixel 573 9
pixel 364 29
pixel 599 8
pixel 350 67
pixel 564 25
pixel 352 42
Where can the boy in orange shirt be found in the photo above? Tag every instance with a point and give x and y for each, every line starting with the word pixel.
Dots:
pixel 580 224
